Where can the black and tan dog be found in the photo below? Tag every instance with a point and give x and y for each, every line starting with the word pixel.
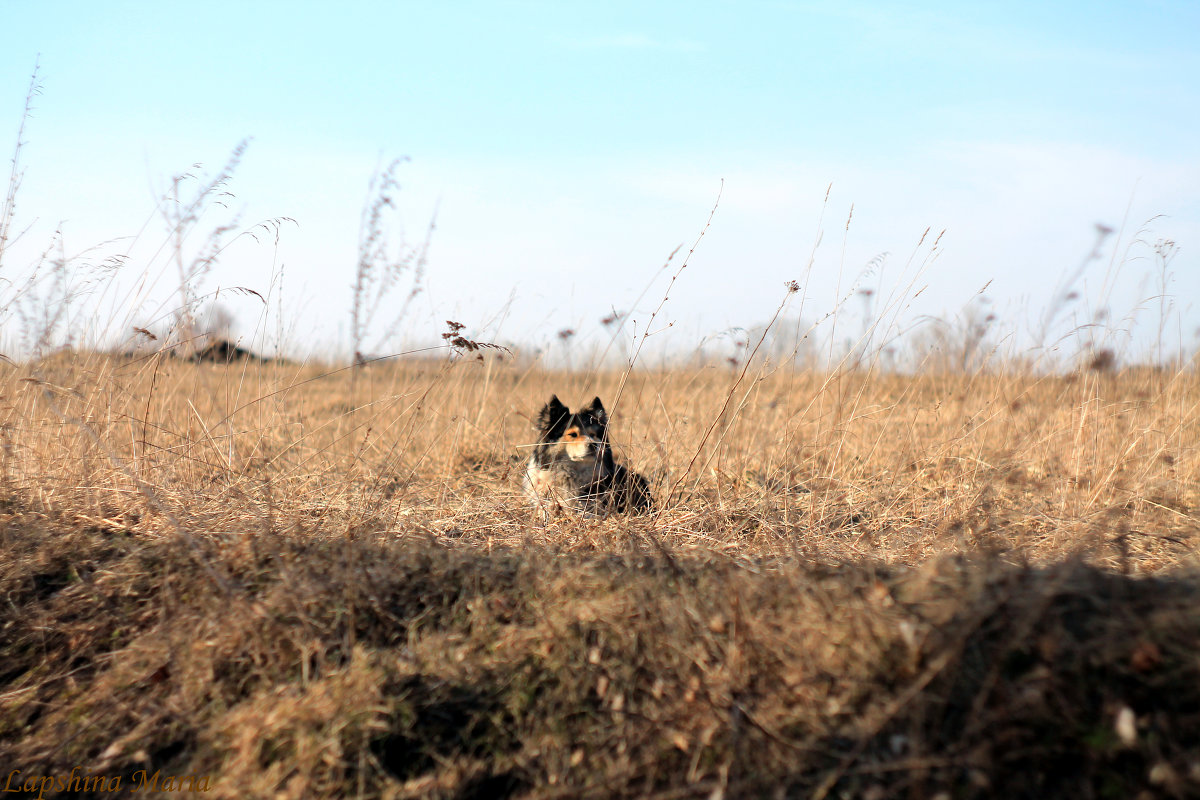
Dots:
pixel 572 465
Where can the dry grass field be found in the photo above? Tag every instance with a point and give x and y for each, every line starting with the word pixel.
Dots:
pixel 271 580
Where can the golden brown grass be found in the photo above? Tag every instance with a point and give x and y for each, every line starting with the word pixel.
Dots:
pixel 857 585
pixel 843 467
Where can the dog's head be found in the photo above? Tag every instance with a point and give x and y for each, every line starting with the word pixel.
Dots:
pixel 579 437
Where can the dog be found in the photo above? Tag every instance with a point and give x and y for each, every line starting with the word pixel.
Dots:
pixel 572 465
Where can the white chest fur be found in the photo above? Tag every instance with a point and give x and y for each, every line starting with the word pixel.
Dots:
pixel 564 483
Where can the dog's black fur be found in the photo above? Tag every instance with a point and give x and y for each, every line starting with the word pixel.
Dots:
pixel 572 465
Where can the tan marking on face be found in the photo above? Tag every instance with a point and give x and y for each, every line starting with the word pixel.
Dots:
pixel 577 444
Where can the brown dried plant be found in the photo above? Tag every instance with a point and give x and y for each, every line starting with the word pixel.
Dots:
pixel 382 264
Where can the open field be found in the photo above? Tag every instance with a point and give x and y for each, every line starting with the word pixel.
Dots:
pixel 297 584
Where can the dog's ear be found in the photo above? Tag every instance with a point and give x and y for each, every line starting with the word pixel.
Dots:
pixel 597 412
pixel 551 413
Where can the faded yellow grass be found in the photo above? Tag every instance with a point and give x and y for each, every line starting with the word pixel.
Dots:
pixel 850 466
pixel 854 584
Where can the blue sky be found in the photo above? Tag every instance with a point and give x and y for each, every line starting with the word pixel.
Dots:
pixel 569 147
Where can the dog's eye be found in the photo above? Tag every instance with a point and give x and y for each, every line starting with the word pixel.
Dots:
pixel 571 435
